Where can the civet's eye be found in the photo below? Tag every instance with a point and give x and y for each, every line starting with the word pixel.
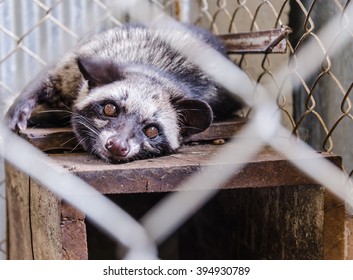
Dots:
pixel 110 110
pixel 151 132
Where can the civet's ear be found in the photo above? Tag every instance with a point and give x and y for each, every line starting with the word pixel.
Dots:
pixel 194 115
pixel 99 72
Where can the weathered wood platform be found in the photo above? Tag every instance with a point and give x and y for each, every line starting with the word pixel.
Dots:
pixel 269 210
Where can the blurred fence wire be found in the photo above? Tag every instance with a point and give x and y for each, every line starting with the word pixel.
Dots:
pixel 303 70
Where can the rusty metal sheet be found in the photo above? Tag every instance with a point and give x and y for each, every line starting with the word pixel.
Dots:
pixel 267 41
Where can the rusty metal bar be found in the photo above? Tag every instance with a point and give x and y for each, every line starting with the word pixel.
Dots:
pixel 267 41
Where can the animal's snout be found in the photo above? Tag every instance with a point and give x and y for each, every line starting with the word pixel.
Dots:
pixel 117 147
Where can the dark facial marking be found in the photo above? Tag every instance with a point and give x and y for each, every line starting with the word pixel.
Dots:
pixel 99 72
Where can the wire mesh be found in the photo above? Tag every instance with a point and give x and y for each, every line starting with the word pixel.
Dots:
pixel 321 114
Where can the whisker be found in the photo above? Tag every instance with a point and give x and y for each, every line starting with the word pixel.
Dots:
pixel 78 144
pixel 192 127
pixel 54 111
pixel 84 122
pixel 74 148
pixel 67 141
pixel 192 109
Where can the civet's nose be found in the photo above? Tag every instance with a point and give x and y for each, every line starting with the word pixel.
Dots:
pixel 117 147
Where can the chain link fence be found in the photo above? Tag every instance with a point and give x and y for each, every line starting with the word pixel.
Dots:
pixel 315 108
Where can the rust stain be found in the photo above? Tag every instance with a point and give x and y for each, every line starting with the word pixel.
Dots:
pixel 177 10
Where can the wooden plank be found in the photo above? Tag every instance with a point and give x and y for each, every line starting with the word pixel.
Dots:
pixel 73 232
pixel 164 174
pixel 18 209
pixel 63 139
pixel 39 226
pixel 267 223
pixel 45 223
pixel 51 139
pixel 334 227
pixel 349 236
